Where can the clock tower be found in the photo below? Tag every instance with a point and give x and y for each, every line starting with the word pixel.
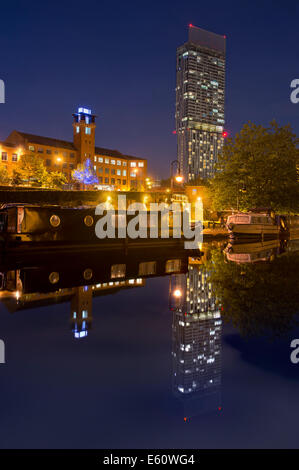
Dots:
pixel 84 134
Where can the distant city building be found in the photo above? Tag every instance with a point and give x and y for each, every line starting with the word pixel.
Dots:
pixel 114 170
pixel 200 96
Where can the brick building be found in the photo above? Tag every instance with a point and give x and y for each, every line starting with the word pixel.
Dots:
pixel 114 170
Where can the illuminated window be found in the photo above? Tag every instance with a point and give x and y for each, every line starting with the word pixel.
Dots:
pixel 100 159
pixel 132 164
pixel 140 164
pixel 124 163
pixel 31 148
pixel 106 160
pixel 77 129
pixel 14 157
pixel 118 172
pixel 124 172
pixel 87 130
pixel 118 162
pixel 112 162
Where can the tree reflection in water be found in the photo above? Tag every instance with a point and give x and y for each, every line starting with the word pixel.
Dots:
pixel 257 297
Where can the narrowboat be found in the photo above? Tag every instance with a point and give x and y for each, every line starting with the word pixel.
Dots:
pixel 253 224
pixel 38 227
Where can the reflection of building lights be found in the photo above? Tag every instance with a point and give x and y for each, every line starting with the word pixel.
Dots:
pixel 177 293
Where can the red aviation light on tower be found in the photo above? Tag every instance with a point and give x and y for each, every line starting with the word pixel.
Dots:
pixel 191 25
pixel 224 134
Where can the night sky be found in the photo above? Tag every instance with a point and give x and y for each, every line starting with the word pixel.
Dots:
pixel 119 59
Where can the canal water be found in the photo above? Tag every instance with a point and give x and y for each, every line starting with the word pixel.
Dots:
pixel 173 351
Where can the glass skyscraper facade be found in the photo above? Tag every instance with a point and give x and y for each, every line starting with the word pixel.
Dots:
pixel 200 96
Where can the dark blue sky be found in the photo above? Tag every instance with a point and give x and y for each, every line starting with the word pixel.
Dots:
pixel 119 59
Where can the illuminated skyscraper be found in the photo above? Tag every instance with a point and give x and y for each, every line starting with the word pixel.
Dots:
pixel 200 94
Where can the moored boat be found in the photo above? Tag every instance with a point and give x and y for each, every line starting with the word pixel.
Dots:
pixel 253 224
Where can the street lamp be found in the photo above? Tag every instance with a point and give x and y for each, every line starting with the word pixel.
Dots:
pixel 178 178
pixel 59 161
pixel 240 190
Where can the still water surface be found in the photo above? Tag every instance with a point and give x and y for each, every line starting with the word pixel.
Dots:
pixel 176 352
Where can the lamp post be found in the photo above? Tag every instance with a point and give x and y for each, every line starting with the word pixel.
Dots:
pixel 59 160
pixel 178 178
pixel 242 190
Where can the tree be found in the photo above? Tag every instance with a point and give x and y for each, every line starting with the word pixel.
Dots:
pixel 16 179
pixel 85 174
pixel 55 180
pixel 32 170
pixel 258 169
pixel 4 178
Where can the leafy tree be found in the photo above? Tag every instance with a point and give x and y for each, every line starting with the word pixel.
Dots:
pixel 55 180
pixel 4 177
pixel 258 169
pixel 85 174
pixel 32 170
pixel 16 179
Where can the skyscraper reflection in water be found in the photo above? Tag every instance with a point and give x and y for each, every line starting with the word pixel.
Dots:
pixel 196 349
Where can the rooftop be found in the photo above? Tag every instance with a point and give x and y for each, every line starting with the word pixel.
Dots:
pixel 50 142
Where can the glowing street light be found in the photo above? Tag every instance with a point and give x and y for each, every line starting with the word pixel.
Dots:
pixel 179 179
